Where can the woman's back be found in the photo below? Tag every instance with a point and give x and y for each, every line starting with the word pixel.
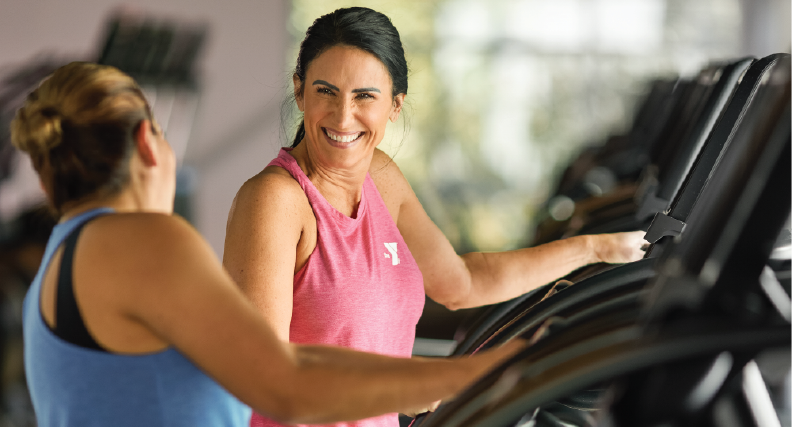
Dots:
pixel 73 385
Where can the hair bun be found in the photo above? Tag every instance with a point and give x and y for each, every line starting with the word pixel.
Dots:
pixel 37 129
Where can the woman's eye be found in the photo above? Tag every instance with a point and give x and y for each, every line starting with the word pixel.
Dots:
pixel 365 96
pixel 325 90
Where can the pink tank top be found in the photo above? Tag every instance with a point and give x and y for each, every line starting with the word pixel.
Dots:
pixel 360 288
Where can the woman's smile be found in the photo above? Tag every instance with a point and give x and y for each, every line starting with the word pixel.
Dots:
pixel 342 139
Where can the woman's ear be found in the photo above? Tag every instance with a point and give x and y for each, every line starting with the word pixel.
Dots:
pixel 43 187
pixel 298 92
pixel 145 141
pixel 398 103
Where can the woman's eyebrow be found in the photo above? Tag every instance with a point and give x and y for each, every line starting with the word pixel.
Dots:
pixel 322 82
pixel 335 88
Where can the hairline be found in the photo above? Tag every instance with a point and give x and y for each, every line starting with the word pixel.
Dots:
pixel 322 51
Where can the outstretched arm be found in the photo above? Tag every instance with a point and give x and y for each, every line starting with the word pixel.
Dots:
pixel 500 276
pixel 185 297
pixel 477 279
pixel 407 379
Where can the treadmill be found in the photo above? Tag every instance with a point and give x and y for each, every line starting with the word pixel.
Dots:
pixel 714 295
pixel 705 155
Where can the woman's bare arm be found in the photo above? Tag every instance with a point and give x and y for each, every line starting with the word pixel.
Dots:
pixel 265 225
pixel 181 293
pixel 477 279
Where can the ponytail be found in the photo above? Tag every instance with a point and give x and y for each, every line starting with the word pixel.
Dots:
pixel 299 135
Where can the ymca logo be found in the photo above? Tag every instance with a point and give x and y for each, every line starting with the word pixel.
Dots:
pixel 391 247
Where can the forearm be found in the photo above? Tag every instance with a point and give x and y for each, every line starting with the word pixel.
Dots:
pixel 341 384
pixel 497 277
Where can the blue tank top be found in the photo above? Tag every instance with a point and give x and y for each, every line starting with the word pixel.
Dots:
pixel 76 386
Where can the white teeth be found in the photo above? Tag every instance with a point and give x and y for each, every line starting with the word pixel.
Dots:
pixel 339 138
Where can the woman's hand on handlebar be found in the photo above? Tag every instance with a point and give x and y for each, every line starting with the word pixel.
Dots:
pixel 619 248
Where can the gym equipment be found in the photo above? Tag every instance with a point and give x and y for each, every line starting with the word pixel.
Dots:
pixel 713 307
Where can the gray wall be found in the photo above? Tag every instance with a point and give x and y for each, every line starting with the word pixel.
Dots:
pixel 766 26
pixel 244 71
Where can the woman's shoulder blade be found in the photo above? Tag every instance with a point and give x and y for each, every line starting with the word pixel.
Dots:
pixel 134 253
pixel 143 232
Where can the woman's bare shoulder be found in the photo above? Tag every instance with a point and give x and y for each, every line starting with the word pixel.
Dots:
pixel 143 229
pixel 144 246
pixel 382 163
pixel 273 184
pixel 272 196
pixel 141 220
pixel 387 176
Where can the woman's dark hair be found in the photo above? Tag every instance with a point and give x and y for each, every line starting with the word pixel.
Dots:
pixel 357 27
pixel 79 129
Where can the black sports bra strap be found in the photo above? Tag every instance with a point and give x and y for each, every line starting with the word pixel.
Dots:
pixel 69 324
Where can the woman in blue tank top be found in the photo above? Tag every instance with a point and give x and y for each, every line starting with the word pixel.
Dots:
pixel 132 321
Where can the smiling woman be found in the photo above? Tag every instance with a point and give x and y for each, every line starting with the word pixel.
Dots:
pixel 360 28
pixel 347 106
pixel 330 242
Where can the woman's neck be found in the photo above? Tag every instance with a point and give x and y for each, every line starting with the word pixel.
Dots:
pixel 341 186
pixel 125 201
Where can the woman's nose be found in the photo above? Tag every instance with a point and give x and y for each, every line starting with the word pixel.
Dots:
pixel 345 114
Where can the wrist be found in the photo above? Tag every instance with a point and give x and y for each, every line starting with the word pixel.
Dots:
pixel 592 249
pixel 478 365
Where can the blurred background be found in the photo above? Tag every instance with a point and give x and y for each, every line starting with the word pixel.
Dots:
pixel 503 93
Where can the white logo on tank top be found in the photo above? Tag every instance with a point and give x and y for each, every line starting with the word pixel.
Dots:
pixel 391 247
